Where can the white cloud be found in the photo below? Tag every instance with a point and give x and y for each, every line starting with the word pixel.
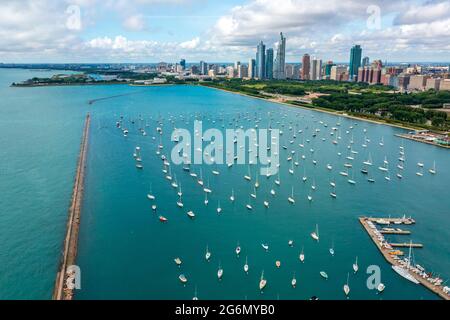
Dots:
pixel 135 23
pixel 37 29
pixel 191 44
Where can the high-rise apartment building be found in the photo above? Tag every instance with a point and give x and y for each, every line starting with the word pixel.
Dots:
pixel 269 64
pixel 306 67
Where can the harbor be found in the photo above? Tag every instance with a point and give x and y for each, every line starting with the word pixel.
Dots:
pixel 414 273
pixel 61 290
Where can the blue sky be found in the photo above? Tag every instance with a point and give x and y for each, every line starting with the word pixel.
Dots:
pixel 227 30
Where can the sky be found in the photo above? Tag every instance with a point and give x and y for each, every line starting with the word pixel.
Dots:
pixel 94 31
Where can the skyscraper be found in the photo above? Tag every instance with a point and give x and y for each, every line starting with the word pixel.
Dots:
pixel 316 69
pixel 365 62
pixel 306 67
pixel 261 61
pixel 280 61
pixel 355 61
pixel 203 68
pixel 183 64
pixel 252 68
pixel 328 67
pixel 269 64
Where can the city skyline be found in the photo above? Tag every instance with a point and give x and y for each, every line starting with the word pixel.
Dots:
pixel 150 31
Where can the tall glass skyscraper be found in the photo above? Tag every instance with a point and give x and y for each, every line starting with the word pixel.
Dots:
pixel 269 64
pixel 280 61
pixel 261 61
pixel 355 61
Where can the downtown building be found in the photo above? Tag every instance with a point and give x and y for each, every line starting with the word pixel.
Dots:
pixel 316 69
pixel 355 62
pixel 252 68
pixel 279 71
pixel 261 61
pixel 306 67
pixel 372 74
pixel 269 64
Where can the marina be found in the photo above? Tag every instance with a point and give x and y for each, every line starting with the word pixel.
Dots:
pixel 415 274
pixel 122 236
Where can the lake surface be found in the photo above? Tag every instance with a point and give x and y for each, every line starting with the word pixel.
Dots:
pixel 126 253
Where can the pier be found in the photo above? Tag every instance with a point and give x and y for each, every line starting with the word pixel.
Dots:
pixel 385 251
pixel 406 245
pixel 402 232
pixel 61 291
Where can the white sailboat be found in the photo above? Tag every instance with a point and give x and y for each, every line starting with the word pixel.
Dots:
pixel 232 195
pixel 219 209
pixel 346 287
pixel 246 267
pixel 302 256
pixel 207 254
pixel 402 271
pixel 294 281
pixel 433 170
pixel 291 198
pixel 355 265
pixel 220 272
pixel 150 195
pixel 315 234
pixel 262 282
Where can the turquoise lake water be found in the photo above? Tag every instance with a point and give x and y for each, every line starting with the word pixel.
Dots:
pixel 126 253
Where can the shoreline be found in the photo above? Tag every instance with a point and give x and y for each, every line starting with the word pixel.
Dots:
pixel 61 291
pixel 335 113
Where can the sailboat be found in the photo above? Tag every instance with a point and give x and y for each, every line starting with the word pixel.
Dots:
pixel 315 234
pixel 324 275
pixel 191 214
pixel 257 182
pixel 304 175
pixel 207 254
pixel 248 176
pixel 433 170
pixel 183 278
pixel 180 203
pixel 238 249
pixel 206 199
pixel 291 198
pixel 150 195
pixel 232 195
pixel 404 271
pixel 294 281
pixel 200 179
pixel 262 282
pixel 246 265
pixel 302 256
pixel 368 162
pixel 332 249
pixel 278 181
pixel 195 298
pixel 219 209
pixel 220 272
pixel 352 181
pixel 249 206
pixel 355 265
pixel 346 287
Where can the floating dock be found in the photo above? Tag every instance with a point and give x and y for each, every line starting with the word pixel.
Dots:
pixel 390 258
pixel 61 291
pixel 402 232
pixel 406 245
